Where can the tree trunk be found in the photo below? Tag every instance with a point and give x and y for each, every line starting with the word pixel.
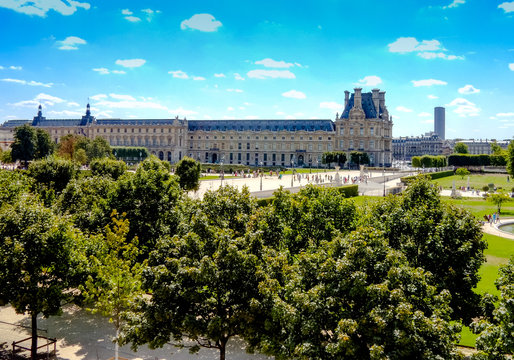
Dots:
pixel 223 345
pixel 33 348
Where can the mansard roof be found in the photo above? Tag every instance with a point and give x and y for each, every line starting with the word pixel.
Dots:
pixel 15 123
pixel 260 125
pixel 136 121
pixel 367 105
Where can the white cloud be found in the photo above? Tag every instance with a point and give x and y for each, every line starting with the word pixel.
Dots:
pixel 235 90
pixel 251 117
pixel 230 108
pixel 468 89
pixel 182 112
pixel 280 113
pixel 372 80
pixel 29 83
pixel 432 97
pixel 426 49
pixel 126 12
pixel 509 114
pixel 198 78
pixel 103 71
pixel 201 22
pixel 98 97
pixel 428 82
pixel 150 13
pixel 179 74
pixel 41 98
pixel 273 63
pixel 126 104
pixel 122 97
pixel 332 105
pixel 464 108
pixel 238 77
pixel 131 63
pixel 12 67
pixel 454 4
pixel 219 75
pixel 118 72
pixel 294 94
pixel 133 18
pixel 424 114
pixel 511 66
pixel 439 55
pixel 403 109
pixel 507 6
pixel 65 113
pixel 41 7
pixel 71 43
pixel 73 103
pixel 1 67
pixel 229 117
pixel 264 74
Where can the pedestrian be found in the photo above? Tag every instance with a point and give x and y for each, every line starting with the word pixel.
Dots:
pixel 494 218
pixel 498 217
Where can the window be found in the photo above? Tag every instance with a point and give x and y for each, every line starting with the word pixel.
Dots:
pixel 361 144
pixel 351 131
pixel 320 138
pixel 310 147
pixel 239 157
pixel 362 131
pixel 329 147
pixel 350 145
pixel 320 147
pixel 341 144
pixel 283 157
pixel 371 131
pixel 239 146
pixel 371 144
pixel 341 130
pixel 247 146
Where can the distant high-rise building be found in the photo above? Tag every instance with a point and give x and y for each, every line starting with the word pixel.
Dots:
pixel 439 121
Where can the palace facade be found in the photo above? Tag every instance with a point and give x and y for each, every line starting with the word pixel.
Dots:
pixel 364 125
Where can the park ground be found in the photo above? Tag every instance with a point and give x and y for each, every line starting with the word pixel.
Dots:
pixel 83 336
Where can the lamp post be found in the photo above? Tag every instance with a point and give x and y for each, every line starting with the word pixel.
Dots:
pixel 292 171
pixel 261 173
pixel 221 169
pixel 384 175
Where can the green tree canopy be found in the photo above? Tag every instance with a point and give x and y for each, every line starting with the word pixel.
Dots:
pixel 108 167
pixel 359 158
pixel 499 199
pixel 460 148
pixel 25 144
pixel 53 172
pixel 462 172
pixel 189 170
pixel 510 158
pixel 35 260
pixel 44 144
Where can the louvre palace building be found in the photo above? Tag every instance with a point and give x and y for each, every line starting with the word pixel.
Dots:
pixel 364 125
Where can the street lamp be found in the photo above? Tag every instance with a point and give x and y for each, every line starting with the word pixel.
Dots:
pixel 261 173
pixel 384 175
pixel 292 171
pixel 221 169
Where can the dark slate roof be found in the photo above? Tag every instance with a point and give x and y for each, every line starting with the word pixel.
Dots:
pixel 260 125
pixel 135 121
pixel 59 122
pixel 367 105
pixel 15 123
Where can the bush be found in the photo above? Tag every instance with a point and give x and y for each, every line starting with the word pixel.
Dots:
pixel 108 167
pixel 126 153
pixel 485 188
pixel 52 172
pixel 349 190
pixel 437 175
pixel 188 170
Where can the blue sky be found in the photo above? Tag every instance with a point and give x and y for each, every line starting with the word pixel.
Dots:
pixel 261 60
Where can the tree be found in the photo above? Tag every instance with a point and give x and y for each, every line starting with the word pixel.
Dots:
pixel 53 173
pixel 213 275
pixel 98 148
pixel 6 157
pixel 13 185
pixel 359 158
pixel 338 157
pixel 496 338
pixel 189 171
pixel 462 172
pixel 354 297
pixel 117 275
pixel 327 158
pixel 108 167
pixel 498 199
pixel 44 144
pixel 416 162
pixel 24 146
pixel 35 260
pixel 510 158
pixel 440 238
pixel 67 145
pixel 460 148
pixel 495 148
pixel 80 157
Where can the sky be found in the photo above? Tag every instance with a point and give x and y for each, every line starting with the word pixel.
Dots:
pixel 262 59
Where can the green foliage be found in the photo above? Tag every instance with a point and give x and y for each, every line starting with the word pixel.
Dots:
pixel 337 157
pixel 469 160
pixel 24 146
pixel 98 148
pixel 80 156
pixel 212 275
pixel 462 172
pixel 13 184
pixel 460 148
pixel 355 297
pixel 496 338
pixel 510 158
pixel 6 157
pixel 432 176
pixel 130 153
pixel 188 170
pixel 68 144
pixel 359 158
pixel 117 274
pixel 52 173
pixel 349 191
pixel 35 259
pixel 108 167
pixel 495 148
pixel 428 161
pixel 440 238
pixel 44 144
pixel 87 200
pixel 499 199
pixel 416 161
pixel 149 198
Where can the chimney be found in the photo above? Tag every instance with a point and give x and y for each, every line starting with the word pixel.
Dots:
pixel 357 98
pixel 346 98
pixel 376 100
pixel 382 97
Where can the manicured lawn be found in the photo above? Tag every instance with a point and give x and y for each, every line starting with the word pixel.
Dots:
pixel 480 207
pixel 477 181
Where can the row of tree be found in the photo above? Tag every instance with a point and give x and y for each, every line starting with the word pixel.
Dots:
pixel 339 157
pixel 428 161
pixel 307 276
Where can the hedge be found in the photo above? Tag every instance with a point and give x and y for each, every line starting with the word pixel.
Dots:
pixel 131 153
pixel 347 190
pixel 428 161
pixel 432 176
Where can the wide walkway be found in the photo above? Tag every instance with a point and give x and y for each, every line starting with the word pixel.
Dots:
pixel 494 229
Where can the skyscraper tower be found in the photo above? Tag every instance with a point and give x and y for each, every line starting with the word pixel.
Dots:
pixel 439 120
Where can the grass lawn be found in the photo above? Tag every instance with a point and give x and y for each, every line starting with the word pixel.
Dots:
pixel 216 177
pixel 480 207
pixel 476 181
